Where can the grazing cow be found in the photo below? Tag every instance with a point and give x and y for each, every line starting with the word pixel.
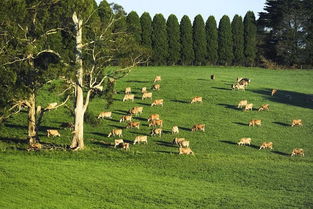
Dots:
pixel 117 142
pixel 136 110
pixel 274 91
pixel 242 103
pixel 178 140
pixel 184 143
pixel 297 151
pixel 238 87
pixel 140 139
pixel 244 82
pixel 34 147
pixel 143 89
pixel 266 145
pixel 146 95
pixel 244 141
pixel 53 133
pixel 126 118
pixel 297 122
pixel 157 78
pixel 156 123
pixel 125 146
pixel 116 132
pixel 212 77
pixel 105 115
pixel 239 79
pixel 255 122
pixel 175 130
pixel 154 117
pixel 156 131
pixel 264 107
pixel 198 127
pixel 133 125
pixel 185 151
pixel 51 106
pixel 196 99
pixel 156 87
pixel 128 90
pixel 248 107
pixel 157 102
pixel 129 97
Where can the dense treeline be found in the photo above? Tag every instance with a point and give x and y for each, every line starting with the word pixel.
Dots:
pixel 282 35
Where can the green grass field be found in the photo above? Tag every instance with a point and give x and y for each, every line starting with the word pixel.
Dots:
pixel 220 175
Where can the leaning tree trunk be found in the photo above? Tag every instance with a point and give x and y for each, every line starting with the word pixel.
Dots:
pixel 32 132
pixel 78 134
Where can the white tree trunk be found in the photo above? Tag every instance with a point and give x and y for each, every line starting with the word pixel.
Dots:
pixel 32 131
pixel 78 134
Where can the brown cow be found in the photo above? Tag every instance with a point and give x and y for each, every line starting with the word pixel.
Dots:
pixel 156 87
pixel 140 139
pixel 244 141
pixel 184 143
pixel 274 91
pixel 297 151
pixel 196 99
pixel 156 131
pixel 133 125
pixel 154 117
pixel 178 140
pixel 198 127
pixel 297 122
pixel 53 133
pixel 116 132
pixel 157 78
pixel 34 147
pixel 105 115
pixel 185 151
pixel 128 90
pixel 156 123
pixel 242 103
pixel 143 89
pixel 265 145
pixel 175 130
pixel 126 118
pixel 129 97
pixel 146 95
pixel 255 122
pixel 136 110
pixel 117 142
pixel 264 107
pixel 248 107
pixel 125 146
pixel 157 102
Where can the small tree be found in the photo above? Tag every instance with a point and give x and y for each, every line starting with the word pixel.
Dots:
pixel 199 41
pixel 238 40
pixel 172 26
pixel 187 53
pixel 225 45
pixel 212 43
pixel 159 40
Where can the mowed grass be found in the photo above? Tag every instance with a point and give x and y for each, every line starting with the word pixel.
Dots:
pixel 220 175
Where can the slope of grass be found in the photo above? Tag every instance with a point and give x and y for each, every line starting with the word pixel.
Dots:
pixel 220 175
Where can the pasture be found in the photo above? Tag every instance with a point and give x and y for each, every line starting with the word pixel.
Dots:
pixel 220 175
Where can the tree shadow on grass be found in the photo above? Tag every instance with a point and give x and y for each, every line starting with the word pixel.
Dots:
pixel 282 124
pixel 287 97
pixel 180 101
pixel 165 144
pixel 281 153
pixel 240 123
pixel 14 140
pixel 222 88
pixel 229 106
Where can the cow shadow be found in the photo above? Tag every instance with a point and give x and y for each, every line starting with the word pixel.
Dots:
pixel 221 88
pixel 165 144
pixel 116 126
pixel 229 106
pixel 180 101
pixel 167 152
pixel 99 134
pixel 228 142
pixel 136 81
pixel 185 129
pixel 287 97
pixel 140 118
pixel 103 144
pixel 282 124
pixel 121 112
pixel 202 79
pixel 240 123
pixel 143 104
pixel 281 153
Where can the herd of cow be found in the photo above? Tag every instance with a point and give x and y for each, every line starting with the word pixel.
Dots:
pixel 157 124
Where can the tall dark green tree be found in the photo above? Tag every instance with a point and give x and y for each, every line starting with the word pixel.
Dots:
pixel 159 40
pixel 250 38
pixel 187 53
pixel 212 40
pixel 309 35
pixel 146 28
pixel 238 40
pixel 225 42
pixel 199 41
pixel 134 26
pixel 173 34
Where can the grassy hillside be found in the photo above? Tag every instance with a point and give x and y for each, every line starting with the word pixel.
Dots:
pixel 220 175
